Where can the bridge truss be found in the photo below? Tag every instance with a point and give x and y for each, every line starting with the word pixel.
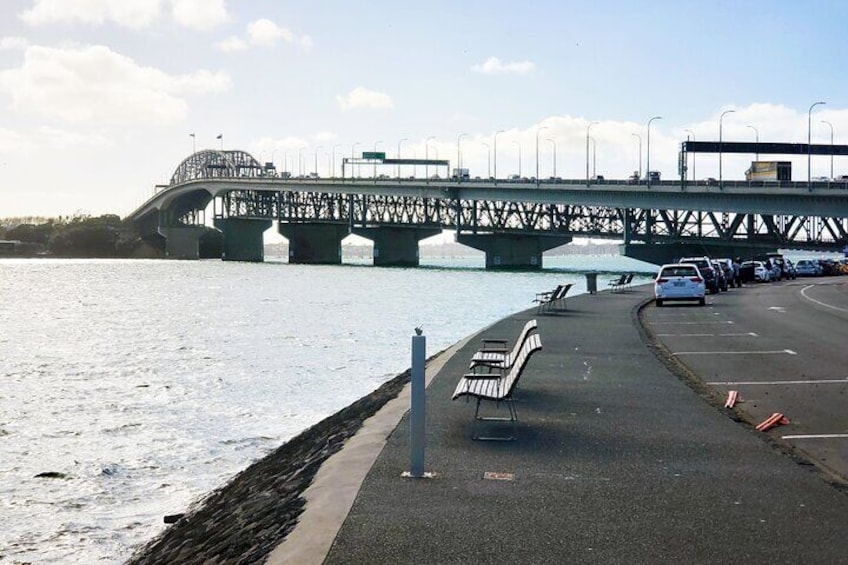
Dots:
pixel 537 218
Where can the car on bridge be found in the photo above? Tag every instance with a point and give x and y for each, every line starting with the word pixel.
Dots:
pixel 679 281
pixel 760 273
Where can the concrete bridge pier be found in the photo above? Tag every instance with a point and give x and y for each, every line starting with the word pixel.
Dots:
pixel 396 247
pixel 243 239
pixel 182 242
pixel 660 253
pixel 509 251
pixel 314 244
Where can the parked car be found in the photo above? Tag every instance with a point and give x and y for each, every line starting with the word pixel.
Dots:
pixel 723 279
pixel 808 268
pixel 730 273
pixel 707 270
pixel 761 274
pixel 679 281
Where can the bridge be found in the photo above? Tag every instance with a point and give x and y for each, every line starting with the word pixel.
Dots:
pixel 512 221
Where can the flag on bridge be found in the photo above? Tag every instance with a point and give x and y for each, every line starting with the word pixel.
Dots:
pixel 220 135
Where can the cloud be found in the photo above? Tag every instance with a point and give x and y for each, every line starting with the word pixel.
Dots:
pixel 202 15
pixel 264 33
pixel 363 98
pixel 136 14
pixel 13 43
pixel 494 66
pixel 96 85
pixel 42 138
pixel 128 13
pixel 232 44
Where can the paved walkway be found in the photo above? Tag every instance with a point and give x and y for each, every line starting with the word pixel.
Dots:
pixel 617 461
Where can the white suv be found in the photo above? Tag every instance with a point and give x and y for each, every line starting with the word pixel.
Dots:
pixel 679 281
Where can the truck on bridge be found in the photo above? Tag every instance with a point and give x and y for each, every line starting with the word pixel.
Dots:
pixel 769 170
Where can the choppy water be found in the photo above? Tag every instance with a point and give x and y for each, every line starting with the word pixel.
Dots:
pixel 146 384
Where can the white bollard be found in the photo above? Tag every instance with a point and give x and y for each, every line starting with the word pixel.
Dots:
pixel 417 407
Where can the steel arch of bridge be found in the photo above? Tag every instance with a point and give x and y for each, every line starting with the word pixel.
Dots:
pixel 537 218
pixel 212 164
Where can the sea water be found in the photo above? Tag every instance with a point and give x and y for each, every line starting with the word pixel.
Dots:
pixel 131 388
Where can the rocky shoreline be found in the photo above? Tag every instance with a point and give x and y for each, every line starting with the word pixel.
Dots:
pixel 243 521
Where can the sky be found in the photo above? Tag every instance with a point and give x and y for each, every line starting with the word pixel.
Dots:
pixel 99 98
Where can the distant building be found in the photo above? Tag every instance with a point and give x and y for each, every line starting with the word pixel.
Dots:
pixel 769 170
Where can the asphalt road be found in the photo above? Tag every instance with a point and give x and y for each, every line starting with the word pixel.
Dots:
pixel 616 459
pixel 784 347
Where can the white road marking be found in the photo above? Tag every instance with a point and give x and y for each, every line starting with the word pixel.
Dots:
pixel 775 352
pixel 692 323
pixel 819 302
pixel 815 436
pixel 749 334
pixel 814 382
pixel 779 309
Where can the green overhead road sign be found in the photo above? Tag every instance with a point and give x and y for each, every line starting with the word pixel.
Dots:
pixel 373 155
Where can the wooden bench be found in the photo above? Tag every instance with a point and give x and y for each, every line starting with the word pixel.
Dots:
pixel 494 354
pixel 497 387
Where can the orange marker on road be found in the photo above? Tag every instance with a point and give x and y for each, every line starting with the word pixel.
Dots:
pixel 772 421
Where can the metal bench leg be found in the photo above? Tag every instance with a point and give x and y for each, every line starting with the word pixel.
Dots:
pixel 513 419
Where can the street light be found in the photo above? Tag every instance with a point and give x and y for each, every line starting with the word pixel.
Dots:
pixel 519 158
pixel 333 166
pixel 375 160
pixel 496 153
pixel 537 150
pixel 353 156
pixel 692 133
pixel 648 149
pixel 316 159
pixel 720 118
pixel 488 159
pixel 831 146
pixel 594 157
pixel 809 153
pixel 589 127
pixel 757 139
pixel 300 162
pixel 398 155
pixel 639 137
pixel 427 156
pixel 554 152
pixel 459 155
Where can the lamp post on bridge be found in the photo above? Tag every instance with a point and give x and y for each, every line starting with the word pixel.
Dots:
pixel 398 156
pixel 316 159
pixel 300 162
pixel 496 153
pixel 554 154
pixel 594 157
pixel 757 141
pixel 588 128
pixel 831 147
pixel 648 149
pixel 692 133
pixel 427 157
pixel 333 166
pixel 353 156
pixel 809 138
pixel 639 137
pixel 720 118
pixel 537 150
pixel 459 156
pixel 488 159
pixel 519 158
pixel 375 161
